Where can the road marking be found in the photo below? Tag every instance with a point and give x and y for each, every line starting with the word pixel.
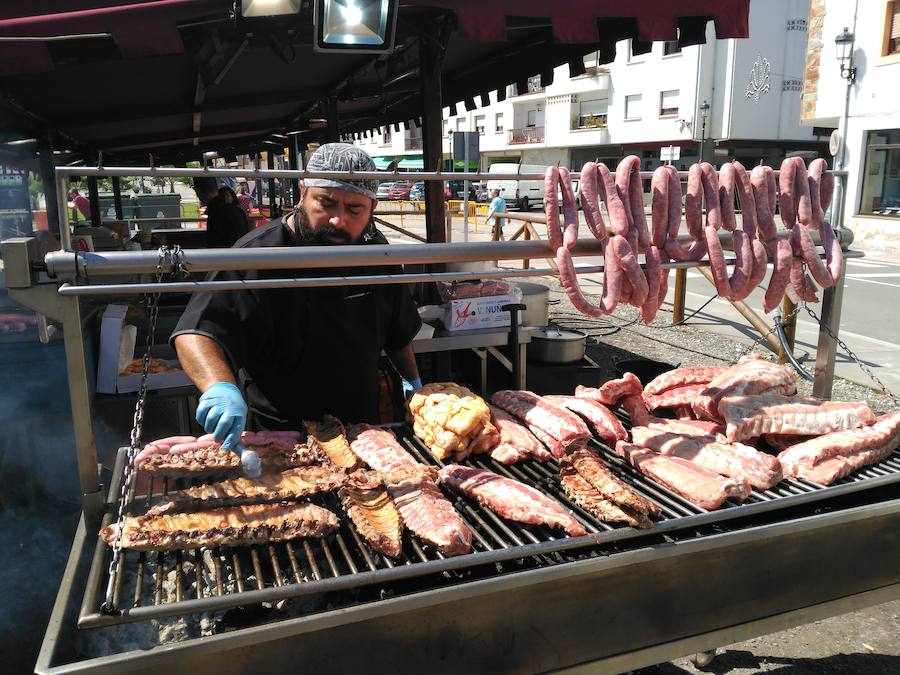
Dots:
pixel 867 263
pixel 872 281
pixel 868 275
pixel 809 325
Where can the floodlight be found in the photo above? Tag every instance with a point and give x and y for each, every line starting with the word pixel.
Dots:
pixel 361 26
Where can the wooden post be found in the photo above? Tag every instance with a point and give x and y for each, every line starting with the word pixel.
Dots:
pixel 678 300
pixel 117 196
pixel 752 317
pixel 432 42
pixel 790 327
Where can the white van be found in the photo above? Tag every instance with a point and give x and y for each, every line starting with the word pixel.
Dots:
pixel 522 194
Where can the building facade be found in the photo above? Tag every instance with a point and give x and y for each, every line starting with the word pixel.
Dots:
pixel 868 93
pixel 729 99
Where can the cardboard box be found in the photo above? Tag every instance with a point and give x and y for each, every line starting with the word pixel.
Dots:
pixel 117 349
pixel 474 313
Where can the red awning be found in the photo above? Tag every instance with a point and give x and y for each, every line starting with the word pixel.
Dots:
pixel 576 21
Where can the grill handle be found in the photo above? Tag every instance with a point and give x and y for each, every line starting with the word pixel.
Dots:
pixel 514 309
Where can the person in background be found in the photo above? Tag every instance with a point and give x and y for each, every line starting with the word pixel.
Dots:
pixel 498 206
pixel 244 200
pixel 81 203
pixel 268 359
pixel 226 222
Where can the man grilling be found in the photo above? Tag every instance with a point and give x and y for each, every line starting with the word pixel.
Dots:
pixel 278 356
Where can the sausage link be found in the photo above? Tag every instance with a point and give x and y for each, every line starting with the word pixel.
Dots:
pixel 783 258
pixel 765 217
pixel 615 208
pixel 590 200
pixel 652 272
pixel 801 283
pixel 786 197
pixel 628 183
pixel 659 206
pixel 570 212
pixel 551 206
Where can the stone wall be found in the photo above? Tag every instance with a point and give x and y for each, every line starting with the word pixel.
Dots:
pixel 813 56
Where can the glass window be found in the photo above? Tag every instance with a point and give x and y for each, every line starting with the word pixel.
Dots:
pixel 460 123
pixel 633 107
pixel 479 124
pixel 446 128
pixel 592 114
pixel 892 29
pixel 531 118
pixel 881 176
pixel 498 123
pixel 668 102
pixel 386 136
pixel 671 46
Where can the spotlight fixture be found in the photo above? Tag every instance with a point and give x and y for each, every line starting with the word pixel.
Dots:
pixel 265 15
pixel 361 26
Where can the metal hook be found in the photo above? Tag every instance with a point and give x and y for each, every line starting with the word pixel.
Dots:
pixel 152 163
pixel 99 159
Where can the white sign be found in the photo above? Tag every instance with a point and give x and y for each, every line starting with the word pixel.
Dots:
pixel 670 153
pixel 835 142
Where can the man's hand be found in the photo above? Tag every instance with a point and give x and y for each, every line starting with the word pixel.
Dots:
pixel 411 386
pixel 223 413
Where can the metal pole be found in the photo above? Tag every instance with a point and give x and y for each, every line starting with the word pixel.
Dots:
pixel 678 300
pixel 466 192
pixel 94 198
pixel 117 196
pixel 65 234
pixel 826 348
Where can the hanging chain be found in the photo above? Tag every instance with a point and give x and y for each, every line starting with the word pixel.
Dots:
pixel 784 321
pixel 849 352
pixel 166 255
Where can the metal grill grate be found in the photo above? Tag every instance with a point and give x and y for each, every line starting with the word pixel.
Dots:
pixel 175 583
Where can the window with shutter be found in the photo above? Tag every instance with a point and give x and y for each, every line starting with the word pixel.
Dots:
pixel 668 102
pixel 893 26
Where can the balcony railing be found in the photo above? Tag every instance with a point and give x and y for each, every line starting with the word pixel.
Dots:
pixel 595 121
pixel 525 135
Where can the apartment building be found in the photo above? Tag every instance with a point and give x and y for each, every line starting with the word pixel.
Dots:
pixel 866 88
pixel 729 99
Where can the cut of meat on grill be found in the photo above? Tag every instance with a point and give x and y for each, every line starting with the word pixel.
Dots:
pixel 784 441
pixel 548 422
pixel 189 456
pixel 828 458
pixel 636 408
pixel 675 397
pixel 748 416
pixel 751 375
pixel 605 423
pixel 452 421
pixel 373 513
pixel 516 441
pixel 686 427
pixel 289 485
pixel 426 512
pixel 681 377
pixel 582 493
pixel 330 439
pixel 700 486
pixel 736 460
pixel 509 498
pixel 232 526
pixel 379 448
pixel 602 480
pixel 611 392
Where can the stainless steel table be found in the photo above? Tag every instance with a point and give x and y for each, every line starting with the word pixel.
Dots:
pixel 483 342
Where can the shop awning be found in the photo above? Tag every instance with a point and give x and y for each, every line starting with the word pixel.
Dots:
pixel 383 163
pixel 414 163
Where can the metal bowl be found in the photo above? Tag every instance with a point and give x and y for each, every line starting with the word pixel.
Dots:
pixel 552 344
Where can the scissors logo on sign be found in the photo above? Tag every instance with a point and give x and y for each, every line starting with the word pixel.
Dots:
pixel 461 315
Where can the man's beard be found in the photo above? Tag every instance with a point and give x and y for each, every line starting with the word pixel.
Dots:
pixel 324 236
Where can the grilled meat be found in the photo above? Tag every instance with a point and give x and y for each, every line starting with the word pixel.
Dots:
pixel 270 487
pixel 516 441
pixel 728 459
pixel 605 423
pixel 681 377
pixel 373 514
pixel 379 448
pixel 583 493
pixel 452 421
pixel 748 416
pixel 612 391
pixel 751 375
pixel 510 498
pixel 674 397
pixel 330 440
pixel 557 428
pixel 700 486
pixel 232 526
pixel 426 512
pixel 587 463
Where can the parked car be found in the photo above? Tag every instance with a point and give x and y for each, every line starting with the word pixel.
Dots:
pixel 454 189
pixel 521 194
pixel 482 194
pixel 384 190
pixel 417 193
pixel 400 190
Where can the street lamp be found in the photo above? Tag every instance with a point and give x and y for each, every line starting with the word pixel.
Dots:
pixel 843 44
pixel 704 113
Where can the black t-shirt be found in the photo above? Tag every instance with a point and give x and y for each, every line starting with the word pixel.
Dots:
pixel 300 353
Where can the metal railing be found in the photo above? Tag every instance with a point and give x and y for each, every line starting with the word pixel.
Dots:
pixel 525 135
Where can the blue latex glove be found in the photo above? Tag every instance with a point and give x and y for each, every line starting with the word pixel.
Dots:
pixel 223 413
pixel 411 386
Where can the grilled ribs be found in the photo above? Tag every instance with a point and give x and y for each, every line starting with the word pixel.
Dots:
pixel 379 449
pixel 751 375
pixel 373 514
pixel 681 377
pixel 700 486
pixel 749 416
pixel 510 498
pixel 330 440
pixel 605 423
pixel 583 493
pixel 587 463
pixel 426 512
pixel 557 428
pixel 516 441
pixel 232 526
pixel 270 487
